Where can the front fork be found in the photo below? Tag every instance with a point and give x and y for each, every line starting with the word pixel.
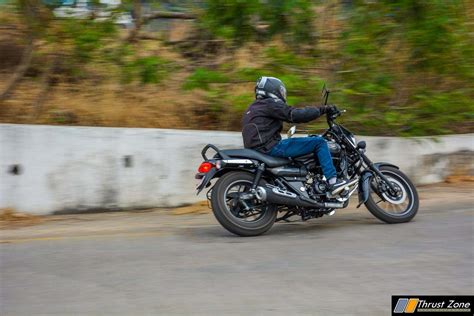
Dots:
pixel 374 169
pixel 365 182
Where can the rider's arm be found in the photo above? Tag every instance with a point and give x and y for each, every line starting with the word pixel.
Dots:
pixel 281 111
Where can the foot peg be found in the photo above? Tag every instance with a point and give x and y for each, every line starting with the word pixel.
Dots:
pixel 343 187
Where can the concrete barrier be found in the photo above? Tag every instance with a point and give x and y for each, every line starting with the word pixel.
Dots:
pixel 52 169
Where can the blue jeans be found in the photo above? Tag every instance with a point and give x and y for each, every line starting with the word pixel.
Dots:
pixel 299 146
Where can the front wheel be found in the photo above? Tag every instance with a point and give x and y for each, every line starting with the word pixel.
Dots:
pixel 248 218
pixel 393 208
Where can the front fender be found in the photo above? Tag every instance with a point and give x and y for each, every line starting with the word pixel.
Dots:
pixel 364 186
pixel 365 180
pixel 380 164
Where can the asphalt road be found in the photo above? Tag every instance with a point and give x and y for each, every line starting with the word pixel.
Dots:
pixel 154 263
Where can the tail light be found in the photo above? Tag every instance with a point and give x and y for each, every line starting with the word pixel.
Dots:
pixel 205 167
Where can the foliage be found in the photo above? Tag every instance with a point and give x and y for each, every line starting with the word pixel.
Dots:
pixel 202 78
pixel 241 102
pixel 244 20
pixel 437 112
pixel 86 36
pixel 391 47
pixel 293 17
pixel 399 67
pixel 151 69
pixel 230 19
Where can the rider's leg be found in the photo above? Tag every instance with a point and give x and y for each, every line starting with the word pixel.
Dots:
pixel 294 147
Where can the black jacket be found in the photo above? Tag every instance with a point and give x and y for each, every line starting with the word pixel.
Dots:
pixel 262 122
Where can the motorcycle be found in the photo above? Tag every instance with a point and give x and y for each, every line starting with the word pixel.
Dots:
pixel 254 188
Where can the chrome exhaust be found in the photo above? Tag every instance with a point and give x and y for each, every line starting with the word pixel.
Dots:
pixel 276 195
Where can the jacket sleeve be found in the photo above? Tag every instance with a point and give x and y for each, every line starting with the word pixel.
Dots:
pixel 281 111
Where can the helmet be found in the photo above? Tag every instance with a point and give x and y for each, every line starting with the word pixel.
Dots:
pixel 270 87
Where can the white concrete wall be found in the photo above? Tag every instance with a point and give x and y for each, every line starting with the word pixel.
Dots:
pixel 66 169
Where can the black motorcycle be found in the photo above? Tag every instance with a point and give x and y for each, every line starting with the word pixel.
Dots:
pixel 253 188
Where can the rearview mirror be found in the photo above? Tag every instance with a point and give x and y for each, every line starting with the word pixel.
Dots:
pixel 291 131
pixel 325 94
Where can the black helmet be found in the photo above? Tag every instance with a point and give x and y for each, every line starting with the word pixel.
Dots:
pixel 270 87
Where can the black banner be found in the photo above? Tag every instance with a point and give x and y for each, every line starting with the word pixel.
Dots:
pixel 432 305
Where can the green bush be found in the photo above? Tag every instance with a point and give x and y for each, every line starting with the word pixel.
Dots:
pixel 230 19
pixel 148 70
pixel 87 36
pixel 241 102
pixel 151 69
pixel 438 112
pixel 202 78
pixel 249 74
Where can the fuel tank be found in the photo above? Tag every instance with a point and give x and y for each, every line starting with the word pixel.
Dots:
pixel 334 148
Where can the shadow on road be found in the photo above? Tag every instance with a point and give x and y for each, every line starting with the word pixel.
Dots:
pixel 313 228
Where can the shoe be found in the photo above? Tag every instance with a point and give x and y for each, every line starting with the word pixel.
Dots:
pixel 338 186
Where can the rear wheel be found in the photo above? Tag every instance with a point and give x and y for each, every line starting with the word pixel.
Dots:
pixel 393 208
pixel 248 218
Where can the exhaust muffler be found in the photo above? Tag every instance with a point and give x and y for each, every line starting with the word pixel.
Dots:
pixel 276 195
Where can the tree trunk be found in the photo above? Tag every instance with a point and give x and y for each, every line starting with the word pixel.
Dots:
pixel 138 20
pixel 20 70
pixel 46 83
pixel 169 15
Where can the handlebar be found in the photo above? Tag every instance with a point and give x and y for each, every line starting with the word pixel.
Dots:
pixel 335 114
pixel 332 116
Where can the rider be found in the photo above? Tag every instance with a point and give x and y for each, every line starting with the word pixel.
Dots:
pixel 262 125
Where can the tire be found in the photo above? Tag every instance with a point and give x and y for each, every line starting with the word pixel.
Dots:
pixel 229 220
pixel 411 193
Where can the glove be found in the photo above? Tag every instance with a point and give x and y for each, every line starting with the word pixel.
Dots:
pixel 328 109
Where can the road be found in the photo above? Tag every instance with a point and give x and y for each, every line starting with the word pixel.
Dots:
pixel 157 263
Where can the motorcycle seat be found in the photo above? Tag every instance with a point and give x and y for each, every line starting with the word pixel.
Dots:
pixel 268 160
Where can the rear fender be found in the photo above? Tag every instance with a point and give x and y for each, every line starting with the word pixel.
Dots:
pixel 215 173
pixel 205 179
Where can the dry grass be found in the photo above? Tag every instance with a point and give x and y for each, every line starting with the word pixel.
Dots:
pixel 163 106
pixel 196 208
pixel 100 100
pixel 10 218
pixel 459 178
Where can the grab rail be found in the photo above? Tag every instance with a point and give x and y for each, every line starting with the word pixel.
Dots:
pixel 206 148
